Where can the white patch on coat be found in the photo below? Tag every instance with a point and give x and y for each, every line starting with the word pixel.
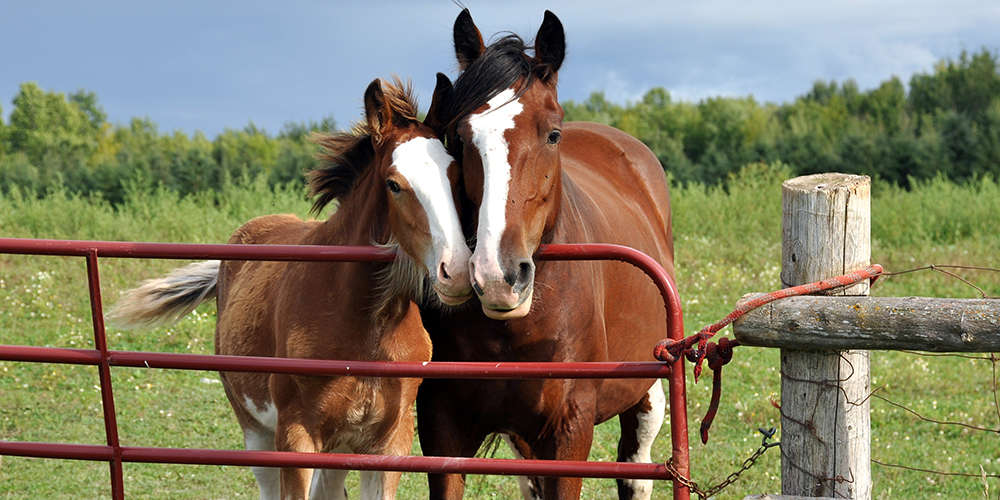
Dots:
pixel 266 415
pixel 649 427
pixel 530 489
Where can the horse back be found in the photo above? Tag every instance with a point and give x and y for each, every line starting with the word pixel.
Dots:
pixel 244 298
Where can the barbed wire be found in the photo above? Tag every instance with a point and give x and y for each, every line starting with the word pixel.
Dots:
pixel 942 269
pixel 992 358
pixel 935 472
pixel 931 420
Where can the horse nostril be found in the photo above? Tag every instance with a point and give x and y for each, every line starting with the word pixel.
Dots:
pixel 521 280
pixel 444 272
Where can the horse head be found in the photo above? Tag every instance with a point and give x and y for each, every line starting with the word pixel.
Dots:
pixel 505 125
pixel 415 168
pixel 409 163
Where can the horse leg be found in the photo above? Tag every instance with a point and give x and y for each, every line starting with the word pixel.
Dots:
pixel 329 483
pixel 294 436
pixel 531 486
pixel 571 438
pixel 381 485
pixel 267 477
pixel 257 422
pixel 442 435
pixel 640 424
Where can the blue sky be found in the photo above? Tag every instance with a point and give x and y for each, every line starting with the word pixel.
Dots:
pixel 204 65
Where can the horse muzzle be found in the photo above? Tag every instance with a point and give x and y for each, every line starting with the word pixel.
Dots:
pixel 509 297
pixel 452 289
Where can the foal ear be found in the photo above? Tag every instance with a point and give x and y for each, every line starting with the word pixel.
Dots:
pixel 468 40
pixel 377 111
pixel 439 103
pixel 550 45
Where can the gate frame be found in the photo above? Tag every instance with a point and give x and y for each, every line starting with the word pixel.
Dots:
pixel 104 359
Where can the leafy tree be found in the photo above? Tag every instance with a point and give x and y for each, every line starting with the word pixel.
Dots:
pixel 3 135
pixel 49 129
pixel 966 86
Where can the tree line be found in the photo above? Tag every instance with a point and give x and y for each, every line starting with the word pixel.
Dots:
pixel 946 122
pixel 56 141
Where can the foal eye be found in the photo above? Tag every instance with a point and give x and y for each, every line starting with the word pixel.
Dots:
pixel 393 186
pixel 554 137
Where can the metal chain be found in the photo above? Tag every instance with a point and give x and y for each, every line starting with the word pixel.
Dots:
pixel 732 478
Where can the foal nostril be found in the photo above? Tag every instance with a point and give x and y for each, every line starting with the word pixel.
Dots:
pixel 475 281
pixel 525 274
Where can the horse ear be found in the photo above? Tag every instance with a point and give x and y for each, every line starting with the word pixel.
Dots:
pixel 468 40
pixel 377 111
pixel 439 103
pixel 550 45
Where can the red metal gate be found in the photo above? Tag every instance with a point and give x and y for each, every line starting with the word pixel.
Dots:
pixel 104 359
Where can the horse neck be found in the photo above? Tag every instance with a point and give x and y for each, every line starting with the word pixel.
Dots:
pixel 572 223
pixel 361 220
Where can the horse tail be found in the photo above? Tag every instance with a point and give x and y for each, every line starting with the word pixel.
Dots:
pixel 165 300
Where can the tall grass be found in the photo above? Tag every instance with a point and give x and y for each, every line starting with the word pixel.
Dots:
pixel 727 244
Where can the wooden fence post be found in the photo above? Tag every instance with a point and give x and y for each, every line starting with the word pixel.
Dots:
pixel 825 419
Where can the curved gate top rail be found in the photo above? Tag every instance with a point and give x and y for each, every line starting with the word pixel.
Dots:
pixel 104 359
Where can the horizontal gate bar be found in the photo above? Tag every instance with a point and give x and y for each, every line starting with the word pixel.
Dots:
pixel 196 251
pixel 344 461
pixel 415 369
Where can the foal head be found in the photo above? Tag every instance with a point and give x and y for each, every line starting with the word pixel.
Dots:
pixel 504 121
pixel 411 168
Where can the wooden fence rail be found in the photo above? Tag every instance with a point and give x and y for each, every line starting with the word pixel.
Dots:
pixel 824 340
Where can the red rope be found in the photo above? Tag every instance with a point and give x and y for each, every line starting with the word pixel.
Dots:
pixel 719 354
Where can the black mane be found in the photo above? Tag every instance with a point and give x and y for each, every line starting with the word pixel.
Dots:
pixel 502 64
pixel 344 157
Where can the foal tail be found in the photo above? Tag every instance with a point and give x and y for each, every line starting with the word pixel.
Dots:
pixel 162 301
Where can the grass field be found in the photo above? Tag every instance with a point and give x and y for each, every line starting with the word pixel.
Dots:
pixel 727 244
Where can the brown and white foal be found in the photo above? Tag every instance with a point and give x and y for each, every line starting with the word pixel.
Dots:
pixel 391 178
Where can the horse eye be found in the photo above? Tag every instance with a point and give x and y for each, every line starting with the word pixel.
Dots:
pixel 554 137
pixel 393 186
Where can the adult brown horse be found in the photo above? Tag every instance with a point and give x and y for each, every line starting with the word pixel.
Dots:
pixel 528 179
pixel 391 178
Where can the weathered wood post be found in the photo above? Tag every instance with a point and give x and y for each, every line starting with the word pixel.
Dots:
pixel 825 420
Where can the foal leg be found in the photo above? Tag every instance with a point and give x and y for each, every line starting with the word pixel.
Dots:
pixel 640 424
pixel 267 477
pixel 293 436
pixel 381 485
pixel 328 484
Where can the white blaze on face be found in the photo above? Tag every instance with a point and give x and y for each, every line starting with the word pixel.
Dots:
pixel 424 163
pixel 488 130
